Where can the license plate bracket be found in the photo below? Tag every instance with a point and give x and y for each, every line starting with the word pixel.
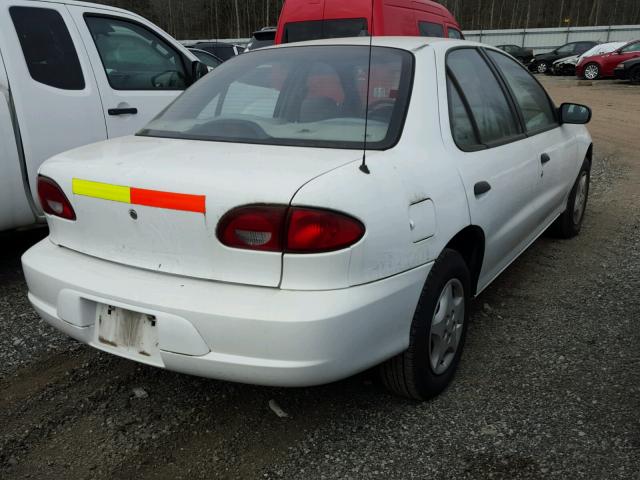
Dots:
pixel 128 333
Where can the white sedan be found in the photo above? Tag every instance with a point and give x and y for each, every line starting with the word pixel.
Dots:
pixel 244 235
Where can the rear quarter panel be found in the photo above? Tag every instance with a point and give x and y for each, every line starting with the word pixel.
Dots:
pixel 415 171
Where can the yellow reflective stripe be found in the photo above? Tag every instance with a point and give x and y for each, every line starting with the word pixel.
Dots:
pixel 104 191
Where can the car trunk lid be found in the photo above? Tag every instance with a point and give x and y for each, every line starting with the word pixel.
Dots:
pixel 155 203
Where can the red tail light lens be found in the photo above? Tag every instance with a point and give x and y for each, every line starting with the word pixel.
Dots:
pixel 314 231
pixel 53 199
pixel 283 229
pixel 253 228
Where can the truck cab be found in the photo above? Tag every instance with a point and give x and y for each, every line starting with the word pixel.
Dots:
pixel 302 20
pixel 74 73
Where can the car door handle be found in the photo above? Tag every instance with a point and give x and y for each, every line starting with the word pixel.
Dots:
pixel 481 188
pixel 123 111
pixel 544 158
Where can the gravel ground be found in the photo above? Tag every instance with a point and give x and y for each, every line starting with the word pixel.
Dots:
pixel 549 385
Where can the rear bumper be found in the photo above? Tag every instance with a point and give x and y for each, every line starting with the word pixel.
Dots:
pixel 263 336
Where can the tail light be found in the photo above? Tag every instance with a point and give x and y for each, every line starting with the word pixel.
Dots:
pixel 284 229
pixel 312 231
pixel 253 228
pixel 53 200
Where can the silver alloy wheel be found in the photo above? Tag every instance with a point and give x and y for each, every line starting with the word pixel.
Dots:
pixel 580 202
pixel 446 326
pixel 542 67
pixel 591 72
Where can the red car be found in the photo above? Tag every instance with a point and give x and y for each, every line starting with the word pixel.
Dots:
pixel 302 20
pixel 602 66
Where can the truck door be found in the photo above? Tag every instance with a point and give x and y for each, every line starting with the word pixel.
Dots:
pixel 15 208
pixel 138 68
pixel 56 100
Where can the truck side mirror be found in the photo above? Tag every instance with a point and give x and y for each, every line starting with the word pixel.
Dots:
pixel 198 70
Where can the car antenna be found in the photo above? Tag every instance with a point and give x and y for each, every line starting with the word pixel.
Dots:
pixel 363 166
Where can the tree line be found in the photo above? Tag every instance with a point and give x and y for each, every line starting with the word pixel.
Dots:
pixel 195 19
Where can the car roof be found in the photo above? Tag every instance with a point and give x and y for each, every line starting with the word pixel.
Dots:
pixel 88 5
pixel 403 43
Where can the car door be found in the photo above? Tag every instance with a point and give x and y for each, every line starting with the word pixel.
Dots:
pixel 15 207
pixel 499 171
pixel 53 90
pixel 138 70
pixel 550 142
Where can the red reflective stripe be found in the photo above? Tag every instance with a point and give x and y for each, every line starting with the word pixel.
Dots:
pixel 169 200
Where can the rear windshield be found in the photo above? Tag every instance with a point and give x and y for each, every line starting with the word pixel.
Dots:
pixel 318 29
pixel 312 96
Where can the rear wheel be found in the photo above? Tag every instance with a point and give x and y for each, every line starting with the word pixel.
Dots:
pixel 437 332
pixel 634 75
pixel 592 71
pixel 569 224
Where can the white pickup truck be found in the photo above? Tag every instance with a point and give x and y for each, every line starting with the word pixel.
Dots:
pixel 73 73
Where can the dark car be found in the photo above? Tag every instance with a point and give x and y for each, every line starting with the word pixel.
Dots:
pixel 224 51
pixel 543 61
pixel 209 59
pixel 629 70
pixel 524 55
pixel 262 38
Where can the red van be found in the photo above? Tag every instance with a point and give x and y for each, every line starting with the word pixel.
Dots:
pixel 302 20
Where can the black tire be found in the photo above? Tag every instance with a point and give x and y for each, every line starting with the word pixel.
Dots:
pixel 541 67
pixel 634 75
pixel 410 374
pixel 589 76
pixel 567 226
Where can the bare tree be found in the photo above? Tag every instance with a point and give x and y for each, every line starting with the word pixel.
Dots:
pixel 233 18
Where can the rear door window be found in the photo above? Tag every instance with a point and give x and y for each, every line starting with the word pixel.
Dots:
pixel 135 58
pixel 490 109
pixel 464 133
pixel 533 101
pixel 634 47
pixel 317 29
pixel 567 49
pixel 430 29
pixel 583 47
pixel 47 47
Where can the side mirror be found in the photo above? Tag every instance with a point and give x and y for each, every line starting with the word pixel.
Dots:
pixel 574 113
pixel 198 70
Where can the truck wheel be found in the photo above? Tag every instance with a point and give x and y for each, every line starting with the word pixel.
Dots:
pixel 592 71
pixel 437 332
pixel 569 224
pixel 634 75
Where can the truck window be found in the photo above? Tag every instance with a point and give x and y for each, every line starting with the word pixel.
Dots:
pixel 317 29
pixel 135 58
pixel 47 47
pixel 429 29
pixel 454 33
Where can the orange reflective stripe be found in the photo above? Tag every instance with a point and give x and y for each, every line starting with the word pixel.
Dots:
pixel 168 200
